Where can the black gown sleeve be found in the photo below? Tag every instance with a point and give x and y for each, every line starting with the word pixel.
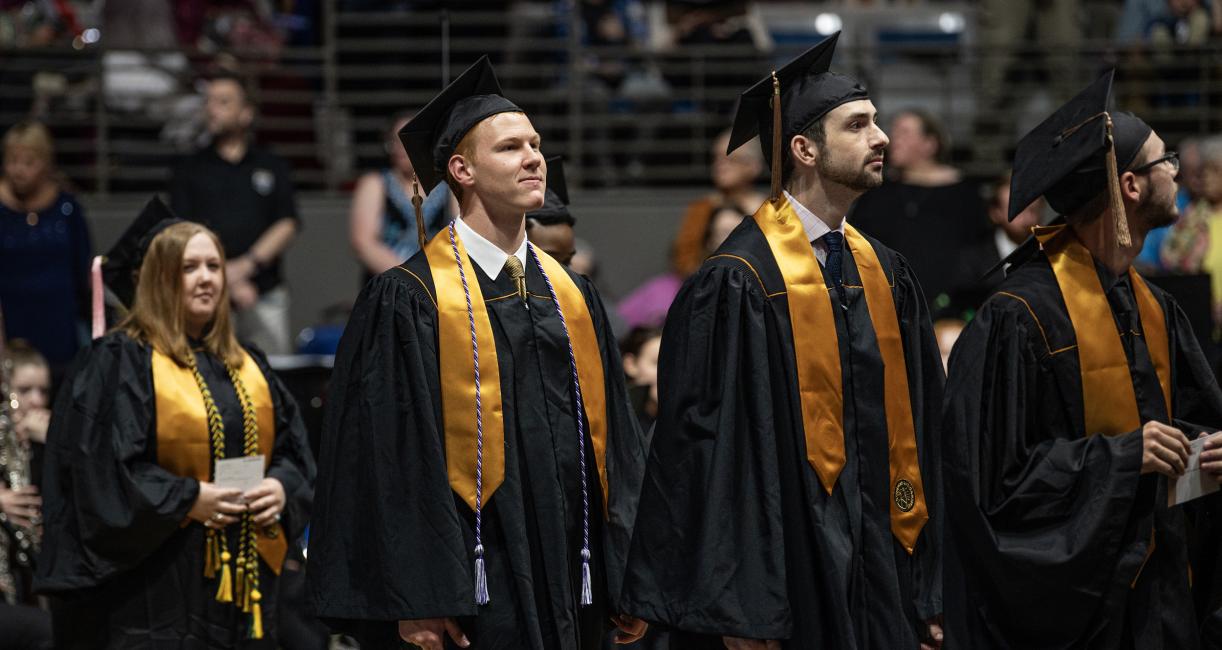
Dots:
pixel 1034 500
pixel 107 504
pixel 926 380
pixel 625 454
pixel 386 542
pixel 292 461
pixel 707 552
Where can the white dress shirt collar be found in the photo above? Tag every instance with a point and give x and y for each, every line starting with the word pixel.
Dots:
pixel 1004 245
pixel 486 255
pixel 813 225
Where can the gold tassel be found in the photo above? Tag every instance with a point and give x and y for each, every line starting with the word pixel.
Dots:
pixel 224 593
pixel 210 555
pixel 240 586
pixel 251 589
pixel 418 203
pixel 256 615
pixel 775 193
pixel 1117 200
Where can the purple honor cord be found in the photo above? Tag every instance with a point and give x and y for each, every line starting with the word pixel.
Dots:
pixel 481 576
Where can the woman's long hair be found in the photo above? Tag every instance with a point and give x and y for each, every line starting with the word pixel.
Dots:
pixel 157 316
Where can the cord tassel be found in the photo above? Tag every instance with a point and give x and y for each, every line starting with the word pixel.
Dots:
pixel 224 592
pixel 481 577
pixel 587 593
pixel 210 559
pixel 256 615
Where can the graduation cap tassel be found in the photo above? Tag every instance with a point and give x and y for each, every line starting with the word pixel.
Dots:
pixel 418 203
pixel 775 192
pixel 587 591
pixel 1123 237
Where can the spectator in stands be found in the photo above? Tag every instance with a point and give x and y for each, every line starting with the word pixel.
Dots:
pixel 1194 244
pixel 926 211
pixel 1053 26
pixel 640 353
pixel 971 287
pixel 44 248
pixel 706 223
pixel 734 179
pixel 244 192
pixel 1160 23
pixel 647 305
pixel 20 503
pixel 382 222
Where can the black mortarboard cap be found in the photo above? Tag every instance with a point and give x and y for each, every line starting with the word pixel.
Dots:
pixel 124 258
pixel 432 135
pixel 555 207
pixel 808 92
pixel 1066 158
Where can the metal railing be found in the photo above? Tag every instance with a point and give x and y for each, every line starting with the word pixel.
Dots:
pixel 620 115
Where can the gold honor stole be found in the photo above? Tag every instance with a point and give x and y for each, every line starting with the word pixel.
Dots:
pixel 817 353
pixel 184 446
pixel 1108 399
pixel 458 397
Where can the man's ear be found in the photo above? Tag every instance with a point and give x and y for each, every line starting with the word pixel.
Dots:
pixel 460 169
pixel 1130 189
pixel 803 151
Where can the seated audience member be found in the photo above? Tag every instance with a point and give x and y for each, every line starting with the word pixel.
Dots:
pixel 1194 244
pixel 44 248
pixel 926 211
pixel 382 221
pixel 640 352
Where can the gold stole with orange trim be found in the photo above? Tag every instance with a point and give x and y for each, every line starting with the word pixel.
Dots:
pixel 184 446
pixel 1110 404
pixel 817 352
pixel 456 356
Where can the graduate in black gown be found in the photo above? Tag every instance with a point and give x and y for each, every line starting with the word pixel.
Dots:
pixel 501 522
pixel 791 498
pixel 141 548
pixel 550 228
pixel 1071 398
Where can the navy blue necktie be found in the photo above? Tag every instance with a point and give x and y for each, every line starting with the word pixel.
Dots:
pixel 834 241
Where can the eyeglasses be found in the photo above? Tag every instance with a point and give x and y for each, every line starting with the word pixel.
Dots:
pixel 1169 157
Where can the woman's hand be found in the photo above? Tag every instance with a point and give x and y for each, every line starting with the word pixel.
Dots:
pixel 265 502
pixel 217 507
pixel 21 506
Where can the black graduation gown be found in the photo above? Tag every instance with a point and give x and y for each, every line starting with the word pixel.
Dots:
pixel 735 534
pixel 391 541
pixel 1047 528
pixel 124 570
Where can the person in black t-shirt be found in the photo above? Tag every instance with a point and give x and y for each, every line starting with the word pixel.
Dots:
pixel 245 194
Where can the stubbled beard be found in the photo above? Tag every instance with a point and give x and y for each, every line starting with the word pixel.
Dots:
pixel 1156 212
pixel 859 179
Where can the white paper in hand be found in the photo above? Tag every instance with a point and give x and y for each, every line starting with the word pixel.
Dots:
pixel 243 473
pixel 1194 483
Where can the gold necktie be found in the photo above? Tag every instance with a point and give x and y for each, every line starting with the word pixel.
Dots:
pixel 513 266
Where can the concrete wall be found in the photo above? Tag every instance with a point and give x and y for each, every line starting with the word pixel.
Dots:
pixel 631 230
